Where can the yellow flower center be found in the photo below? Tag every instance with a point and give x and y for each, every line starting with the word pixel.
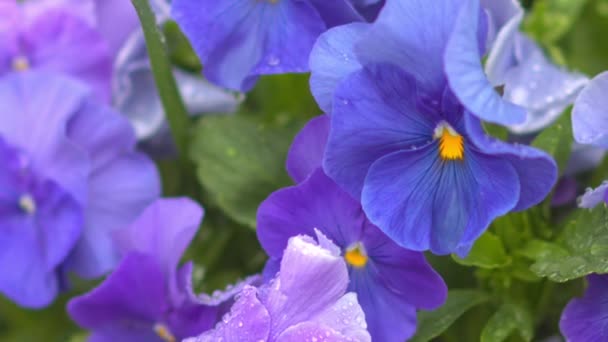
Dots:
pixel 164 333
pixel 27 204
pixel 451 144
pixel 356 256
pixel 21 63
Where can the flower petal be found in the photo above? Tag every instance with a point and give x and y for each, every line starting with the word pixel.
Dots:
pixel 593 197
pixel 372 118
pixel 238 40
pixel 332 59
pixel 316 203
pixel 306 152
pixel 132 298
pixel 590 113
pixel 163 230
pixel 585 319
pixel 423 203
pixel 465 73
pixel 413 35
pixel 42 105
pixel 311 279
pixel 344 321
pixel 248 321
pixel 537 171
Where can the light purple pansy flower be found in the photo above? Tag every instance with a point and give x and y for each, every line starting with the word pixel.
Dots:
pixel 529 78
pixel 307 301
pixel 70 177
pixel 391 283
pixel 586 319
pixel 56 40
pixel 239 40
pixel 148 298
pixel 135 94
pixel 590 126
pixel 406 139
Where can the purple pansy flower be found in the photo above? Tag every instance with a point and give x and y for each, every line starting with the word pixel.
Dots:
pixel 238 40
pixel 390 282
pixel 586 318
pixel 307 301
pixel 405 133
pixel 148 298
pixel 590 126
pixel 70 176
pixel 57 40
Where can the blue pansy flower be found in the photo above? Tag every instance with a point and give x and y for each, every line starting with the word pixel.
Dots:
pixel 390 281
pixel 238 40
pixel 586 318
pixel 405 135
pixel 69 178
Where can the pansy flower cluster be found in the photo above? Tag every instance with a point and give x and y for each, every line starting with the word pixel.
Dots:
pixel 424 181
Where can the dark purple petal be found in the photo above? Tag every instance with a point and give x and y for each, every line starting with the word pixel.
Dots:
pixel 590 113
pixel 424 203
pixel 337 12
pixel 315 203
pixel 585 319
pixel 306 152
pixel 565 192
pixel 131 300
pixel 466 75
pixel 375 113
pixel 332 59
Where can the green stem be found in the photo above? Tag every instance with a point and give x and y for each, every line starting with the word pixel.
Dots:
pixel 176 112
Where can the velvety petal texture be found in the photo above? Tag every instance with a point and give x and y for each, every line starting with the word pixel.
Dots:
pixel 307 297
pixel 593 197
pixel 306 152
pixel 237 40
pixel 384 148
pixel 585 319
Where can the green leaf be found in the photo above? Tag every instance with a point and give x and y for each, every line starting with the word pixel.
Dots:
pixel 433 323
pixel 549 20
pixel 488 252
pixel 557 140
pixel 174 107
pixel 540 249
pixel 585 240
pixel 240 162
pixel 508 319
